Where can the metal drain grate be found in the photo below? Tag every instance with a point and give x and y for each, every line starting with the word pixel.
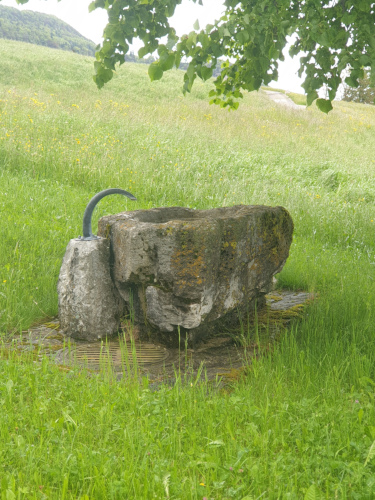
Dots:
pixel 118 354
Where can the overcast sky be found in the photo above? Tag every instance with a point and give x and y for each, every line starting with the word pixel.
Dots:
pixel 75 13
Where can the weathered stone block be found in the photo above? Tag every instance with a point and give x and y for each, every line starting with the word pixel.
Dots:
pixel 90 307
pixel 187 272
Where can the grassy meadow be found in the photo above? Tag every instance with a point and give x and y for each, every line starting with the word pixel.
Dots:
pixel 301 423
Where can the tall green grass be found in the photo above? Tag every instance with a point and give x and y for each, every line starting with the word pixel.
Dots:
pixel 302 421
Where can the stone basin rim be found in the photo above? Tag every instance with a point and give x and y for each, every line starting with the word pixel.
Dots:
pixel 165 215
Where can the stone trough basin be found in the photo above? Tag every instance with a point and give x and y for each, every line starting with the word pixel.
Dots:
pixel 181 274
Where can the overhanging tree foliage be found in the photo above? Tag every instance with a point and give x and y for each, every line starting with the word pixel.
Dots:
pixel 332 35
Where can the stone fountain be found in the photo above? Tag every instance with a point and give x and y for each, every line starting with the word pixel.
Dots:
pixel 183 274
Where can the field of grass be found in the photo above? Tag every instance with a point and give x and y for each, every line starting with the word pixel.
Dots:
pixel 301 423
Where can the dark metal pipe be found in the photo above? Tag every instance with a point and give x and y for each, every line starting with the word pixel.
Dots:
pixel 87 232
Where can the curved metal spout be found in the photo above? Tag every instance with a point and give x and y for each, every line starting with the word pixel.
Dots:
pixel 87 232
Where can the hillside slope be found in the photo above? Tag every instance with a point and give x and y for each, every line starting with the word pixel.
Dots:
pixel 299 420
pixel 42 29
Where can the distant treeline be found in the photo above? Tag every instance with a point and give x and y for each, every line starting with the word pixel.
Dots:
pixel 42 29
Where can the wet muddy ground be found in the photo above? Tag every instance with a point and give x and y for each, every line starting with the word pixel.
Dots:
pixel 222 356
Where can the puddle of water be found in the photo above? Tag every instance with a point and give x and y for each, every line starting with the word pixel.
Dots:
pixel 222 356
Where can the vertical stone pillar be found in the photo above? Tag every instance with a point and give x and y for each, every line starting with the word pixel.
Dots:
pixel 90 306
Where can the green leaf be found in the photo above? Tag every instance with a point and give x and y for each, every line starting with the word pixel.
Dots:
pixel 206 73
pixel 154 71
pixel 162 49
pixel 172 40
pixel 285 24
pixel 204 40
pixel 178 60
pixel 370 431
pixel 372 76
pixel 357 73
pixel 370 454
pixel 92 6
pixel 68 418
pixel 273 53
pixel 190 71
pixel 366 382
pixel 10 495
pixel 324 105
pixel 107 48
pixel 9 385
pixel 362 5
pixel 364 59
pixel 242 37
pixel 313 493
pixel 196 25
pixel 102 76
pixel 167 61
pixel 142 52
pixel 360 415
pixel 109 63
pixel 352 82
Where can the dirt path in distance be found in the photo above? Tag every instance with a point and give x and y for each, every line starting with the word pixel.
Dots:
pixel 283 99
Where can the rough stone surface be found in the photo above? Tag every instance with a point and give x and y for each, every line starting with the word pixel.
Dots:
pixel 186 273
pixel 89 305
